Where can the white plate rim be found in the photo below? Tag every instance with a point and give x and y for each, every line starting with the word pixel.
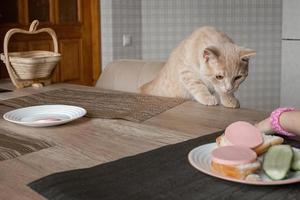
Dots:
pixel 213 145
pixel 33 124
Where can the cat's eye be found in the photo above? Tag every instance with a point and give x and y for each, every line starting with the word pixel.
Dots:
pixel 245 59
pixel 219 77
pixel 237 77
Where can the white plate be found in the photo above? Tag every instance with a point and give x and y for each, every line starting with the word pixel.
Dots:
pixel 200 158
pixel 46 115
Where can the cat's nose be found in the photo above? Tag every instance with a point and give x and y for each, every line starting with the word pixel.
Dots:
pixel 228 88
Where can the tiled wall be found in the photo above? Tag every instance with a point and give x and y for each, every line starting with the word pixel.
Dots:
pixel 120 17
pixel 252 23
pixel 127 19
pixel 106 32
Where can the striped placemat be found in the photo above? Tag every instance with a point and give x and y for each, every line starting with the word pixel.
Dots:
pixel 102 104
pixel 12 145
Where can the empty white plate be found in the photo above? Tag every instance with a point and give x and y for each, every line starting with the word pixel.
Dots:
pixel 46 115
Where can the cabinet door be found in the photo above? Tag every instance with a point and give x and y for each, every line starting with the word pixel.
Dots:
pixel 290 74
pixel 76 23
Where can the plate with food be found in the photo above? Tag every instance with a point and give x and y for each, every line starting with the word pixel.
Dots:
pixel 255 158
pixel 44 115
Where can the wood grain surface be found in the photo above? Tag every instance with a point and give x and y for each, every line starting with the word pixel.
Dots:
pixel 87 142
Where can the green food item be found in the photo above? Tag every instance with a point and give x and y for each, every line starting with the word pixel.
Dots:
pixel 277 161
pixel 296 160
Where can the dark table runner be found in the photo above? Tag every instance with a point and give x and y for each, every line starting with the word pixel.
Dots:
pixel 101 104
pixel 163 173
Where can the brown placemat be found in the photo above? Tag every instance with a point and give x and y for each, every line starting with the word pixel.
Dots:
pixel 12 145
pixel 102 104
pixel 163 173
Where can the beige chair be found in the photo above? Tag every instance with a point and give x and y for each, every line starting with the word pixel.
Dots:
pixel 128 75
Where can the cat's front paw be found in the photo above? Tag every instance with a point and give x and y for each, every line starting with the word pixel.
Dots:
pixel 230 102
pixel 208 100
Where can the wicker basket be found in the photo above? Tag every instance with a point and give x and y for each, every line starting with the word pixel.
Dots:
pixel 30 67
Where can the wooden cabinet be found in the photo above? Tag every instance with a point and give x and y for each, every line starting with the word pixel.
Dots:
pixel 76 23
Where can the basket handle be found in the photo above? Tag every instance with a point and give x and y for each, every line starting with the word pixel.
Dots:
pixel 32 30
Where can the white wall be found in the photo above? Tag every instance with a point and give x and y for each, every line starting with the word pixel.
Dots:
pixel 290 19
pixel 290 76
pixel 290 73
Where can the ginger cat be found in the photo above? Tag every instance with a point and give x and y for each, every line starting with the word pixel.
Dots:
pixel 206 66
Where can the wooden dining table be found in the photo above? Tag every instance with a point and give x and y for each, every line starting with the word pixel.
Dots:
pixel 87 142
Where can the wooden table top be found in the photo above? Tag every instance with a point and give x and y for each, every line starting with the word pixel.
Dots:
pixel 87 142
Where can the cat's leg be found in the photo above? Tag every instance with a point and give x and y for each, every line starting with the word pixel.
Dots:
pixel 197 88
pixel 229 100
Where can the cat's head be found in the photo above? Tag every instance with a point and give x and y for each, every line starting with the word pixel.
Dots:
pixel 225 67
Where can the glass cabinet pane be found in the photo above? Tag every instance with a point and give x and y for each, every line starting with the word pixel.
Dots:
pixel 9 12
pixel 38 9
pixel 68 11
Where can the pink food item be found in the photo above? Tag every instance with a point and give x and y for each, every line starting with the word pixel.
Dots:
pixel 234 161
pixel 243 134
pixel 48 120
pixel 233 155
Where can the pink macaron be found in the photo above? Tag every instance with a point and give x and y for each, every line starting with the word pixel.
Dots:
pixel 243 134
pixel 233 155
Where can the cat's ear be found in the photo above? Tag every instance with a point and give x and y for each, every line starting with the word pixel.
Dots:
pixel 246 53
pixel 210 52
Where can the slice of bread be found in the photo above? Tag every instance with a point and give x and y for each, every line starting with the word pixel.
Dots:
pixel 268 141
pixel 253 177
pixel 234 161
pixel 236 171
